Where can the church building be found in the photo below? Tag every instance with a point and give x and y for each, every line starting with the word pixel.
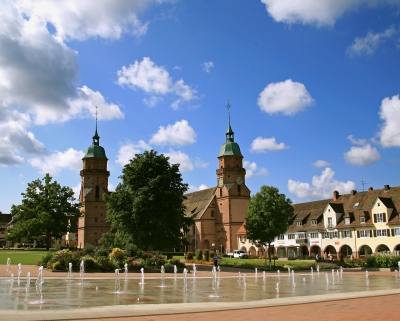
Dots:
pixel 220 211
pixel 94 183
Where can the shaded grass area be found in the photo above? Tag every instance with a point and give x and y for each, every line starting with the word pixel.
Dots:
pixel 23 257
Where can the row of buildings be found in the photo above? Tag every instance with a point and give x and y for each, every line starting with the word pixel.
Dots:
pixel 354 225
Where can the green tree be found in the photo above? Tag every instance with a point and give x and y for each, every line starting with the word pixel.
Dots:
pixel 268 215
pixel 48 209
pixel 147 206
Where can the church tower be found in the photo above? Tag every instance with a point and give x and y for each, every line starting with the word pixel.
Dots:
pixel 94 183
pixel 231 193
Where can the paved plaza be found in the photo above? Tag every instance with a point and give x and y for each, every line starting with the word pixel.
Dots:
pixel 382 304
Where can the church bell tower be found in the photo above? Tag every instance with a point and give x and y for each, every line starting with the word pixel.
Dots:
pixel 94 184
pixel 232 193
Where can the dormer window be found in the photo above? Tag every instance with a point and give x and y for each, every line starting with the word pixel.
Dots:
pixel 379 218
pixel 356 205
pixel 314 222
pixel 362 220
pixel 330 222
pixel 379 204
pixel 347 220
pixel 299 223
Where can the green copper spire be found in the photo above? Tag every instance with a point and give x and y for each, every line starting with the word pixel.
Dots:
pixel 95 150
pixel 230 147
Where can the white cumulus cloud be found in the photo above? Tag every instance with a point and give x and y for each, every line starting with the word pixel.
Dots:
pixel 39 72
pixel 252 169
pixel 153 79
pixel 389 112
pixel 75 19
pixel 128 150
pixel 15 138
pixel 177 157
pixel 363 155
pixel 287 97
pixel 370 43
pixel 54 163
pixel 321 187
pixel 316 12
pixel 180 133
pixel 207 65
pixel 321 163
pixel 260 145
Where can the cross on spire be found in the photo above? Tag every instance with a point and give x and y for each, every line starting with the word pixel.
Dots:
pixel 96 137
pixel 229 133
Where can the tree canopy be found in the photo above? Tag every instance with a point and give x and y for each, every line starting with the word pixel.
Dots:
pixel 147 206
pixel 48 209
pixel 268 215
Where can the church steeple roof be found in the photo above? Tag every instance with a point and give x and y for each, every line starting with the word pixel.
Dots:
pixel 230 147
pixel 95 150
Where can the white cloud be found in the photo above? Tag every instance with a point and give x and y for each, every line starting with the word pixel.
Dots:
pixel 389 134
pixel 180 133
pixel 370 43
pixel 261 145
pixel 54 163
pixel 252 169
pixel 153 79
pixel 362 156
pixel 287 97
pixel 81 20
pixel 38 72
pixel 193 188
pixel 177 157
pixel 127 151
pixel 315 12
pixel 322 187
pixel 321 163
pixel 110 187
pixel 77 190
pixel 199 163
pixel 152 101
pixel 207 65
pixel 354 141
pixel 15 138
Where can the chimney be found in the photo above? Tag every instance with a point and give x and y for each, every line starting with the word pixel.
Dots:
pixel 335 195
pixel 371 188
pixel 386 187
pixel 353 192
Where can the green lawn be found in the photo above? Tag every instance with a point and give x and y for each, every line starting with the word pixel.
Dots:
pixel 23 257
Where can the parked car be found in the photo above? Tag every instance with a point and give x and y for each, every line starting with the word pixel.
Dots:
pixel 239 254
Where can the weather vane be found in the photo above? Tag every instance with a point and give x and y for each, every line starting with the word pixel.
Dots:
pixel 96 113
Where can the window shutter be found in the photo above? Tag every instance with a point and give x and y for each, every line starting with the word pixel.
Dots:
pixel 388 232
pixel 374 233
pixel 350 233
pixel 374 218
pixel 384 217
pixel 392 231
pixel 358 234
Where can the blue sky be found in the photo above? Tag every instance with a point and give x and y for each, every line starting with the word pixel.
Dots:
pixel 313 85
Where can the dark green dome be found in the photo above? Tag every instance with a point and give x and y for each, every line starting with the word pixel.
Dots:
pixel 230 148
pixel 95 150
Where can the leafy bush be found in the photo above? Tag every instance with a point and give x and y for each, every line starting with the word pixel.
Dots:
pixel 118 255
pixel 102 252
pixel 46 258
pixel 199 255
pixel 382 261
pixel 177 262
pixel 132 250
pixel 105 264
pixel 57 266
pixel 355 263
pixel 91 264
pixel 206 255
pixel 135 264
pixel 89 249
pixel 189 256
pixel 63 257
